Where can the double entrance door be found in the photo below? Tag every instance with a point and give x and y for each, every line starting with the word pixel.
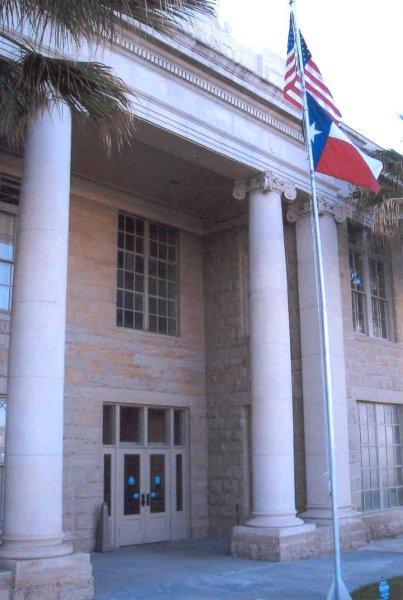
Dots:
pixel 145 473
pixel 144 496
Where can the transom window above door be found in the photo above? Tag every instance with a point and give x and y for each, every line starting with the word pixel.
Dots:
pixel 147 286
pixel 126 424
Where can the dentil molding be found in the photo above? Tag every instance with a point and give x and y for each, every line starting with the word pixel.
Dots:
pixel 204 84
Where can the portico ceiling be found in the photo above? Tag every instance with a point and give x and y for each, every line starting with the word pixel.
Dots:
pixel 165 169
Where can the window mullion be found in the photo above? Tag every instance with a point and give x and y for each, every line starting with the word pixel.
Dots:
pixel 378 459
pixel 388 298
pixel 146 257
pixel 367 289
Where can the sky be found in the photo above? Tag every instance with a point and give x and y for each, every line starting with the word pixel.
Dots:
pixel 357 44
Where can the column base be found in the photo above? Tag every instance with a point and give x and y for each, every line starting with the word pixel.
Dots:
pixel 274 544
pixel 50 578
pixel 274 521
pixel 352 534
pixel 27 549
pixel 323 515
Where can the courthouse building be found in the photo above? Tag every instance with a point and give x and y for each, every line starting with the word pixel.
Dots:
pixel 181 384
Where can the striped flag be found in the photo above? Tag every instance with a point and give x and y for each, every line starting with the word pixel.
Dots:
pixel 313 78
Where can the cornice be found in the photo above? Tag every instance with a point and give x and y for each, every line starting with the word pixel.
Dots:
pixel 205 85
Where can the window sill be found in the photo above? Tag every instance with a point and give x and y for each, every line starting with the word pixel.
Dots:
pixel 368 339
pixel 152 334
pixel 378 511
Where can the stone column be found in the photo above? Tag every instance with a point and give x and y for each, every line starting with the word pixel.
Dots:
pixel 318 499
pixel 34 439
pixel 271 388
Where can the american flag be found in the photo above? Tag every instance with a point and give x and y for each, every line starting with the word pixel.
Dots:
pixel 313 78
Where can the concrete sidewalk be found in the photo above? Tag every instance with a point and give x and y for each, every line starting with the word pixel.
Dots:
pixel 205 570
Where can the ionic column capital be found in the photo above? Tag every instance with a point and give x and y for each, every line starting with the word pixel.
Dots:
pixel 297 210
pixel 266 182
pixel 326 207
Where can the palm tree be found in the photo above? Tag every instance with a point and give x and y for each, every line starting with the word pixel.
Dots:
pixel 31 80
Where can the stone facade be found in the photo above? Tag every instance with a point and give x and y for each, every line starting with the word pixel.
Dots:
pixel 289 545
pixel 374 370
pixel 110 364
pixel 227 376
pixel 373 367
pixel 100 368
pixel 295 335
pixel 51 579
pixel 205 369
pixel 209 125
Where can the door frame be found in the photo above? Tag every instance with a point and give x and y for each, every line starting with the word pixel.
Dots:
pixel 179 521
pixel 111 450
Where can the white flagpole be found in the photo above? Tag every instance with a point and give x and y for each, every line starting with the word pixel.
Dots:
pixel 338 590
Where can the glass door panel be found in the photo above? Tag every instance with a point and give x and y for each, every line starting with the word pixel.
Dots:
pixel 108 482
pixel 158 513
pixel 131 484
pixel 178 493
pixel 179 482
pixel 157 483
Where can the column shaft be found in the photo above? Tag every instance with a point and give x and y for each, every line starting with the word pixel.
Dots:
pixel 318 499
pixel 34 438
pixel 272 415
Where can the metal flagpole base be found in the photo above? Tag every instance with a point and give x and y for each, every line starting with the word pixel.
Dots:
pixel 342 594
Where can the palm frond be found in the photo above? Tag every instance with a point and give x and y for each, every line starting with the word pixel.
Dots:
pixel 28 83
pixel 385 206
pixel 31 83
pixel 385 224
pixel 94 19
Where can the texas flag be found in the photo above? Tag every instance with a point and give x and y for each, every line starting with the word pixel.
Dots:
pixel 335 154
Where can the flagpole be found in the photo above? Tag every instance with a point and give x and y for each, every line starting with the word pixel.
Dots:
pixel 338 590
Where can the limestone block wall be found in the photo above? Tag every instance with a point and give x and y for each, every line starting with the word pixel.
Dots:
pixel 227 376
pixel 296 362
pixel 374 367
pixel 105 363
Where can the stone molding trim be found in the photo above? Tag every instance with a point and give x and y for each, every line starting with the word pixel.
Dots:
pixel 265 182
pixel 5 324
pixel 297 210
pixel 205 85
pixel 125 43
pixel 326 207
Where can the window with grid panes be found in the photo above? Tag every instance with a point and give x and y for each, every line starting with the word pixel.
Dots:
pixel 381 455
pixel 147 289
pixel 9 196
pixel 369 285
